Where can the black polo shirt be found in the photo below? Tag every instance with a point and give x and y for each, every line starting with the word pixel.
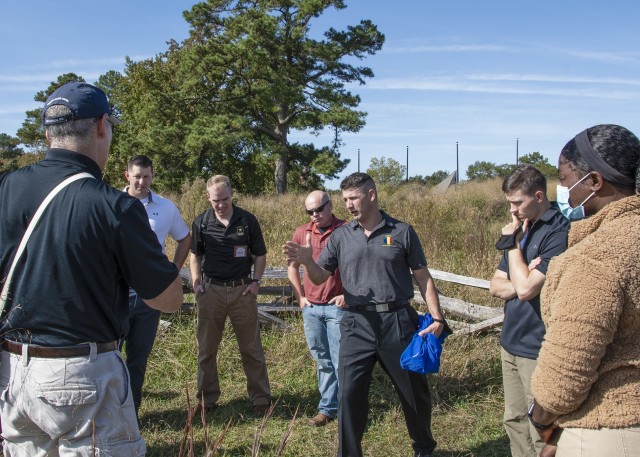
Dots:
pixel 228 251
pixel 523 329
pixel 374 269
pixel 93 241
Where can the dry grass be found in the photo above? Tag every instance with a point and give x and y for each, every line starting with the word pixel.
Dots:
pixel 457 230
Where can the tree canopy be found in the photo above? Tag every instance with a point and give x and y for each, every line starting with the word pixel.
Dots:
pixel 481 170
pixel 226 99
pixel 386 171
pixel 430 180
pixel 9 152
pixel 541 163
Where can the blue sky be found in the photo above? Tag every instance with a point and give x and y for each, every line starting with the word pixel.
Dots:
pixel 484 74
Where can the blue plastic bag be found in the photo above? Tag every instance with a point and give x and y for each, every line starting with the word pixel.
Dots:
pixel 423 353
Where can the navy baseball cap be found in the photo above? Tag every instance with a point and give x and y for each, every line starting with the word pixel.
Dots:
pixel 84 100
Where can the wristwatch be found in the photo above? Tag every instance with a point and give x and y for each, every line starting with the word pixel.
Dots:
pixel 256 280
pixel 537 425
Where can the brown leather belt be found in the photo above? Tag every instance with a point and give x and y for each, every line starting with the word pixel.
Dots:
pixel 234 283
pixel 57 352
pixel 379 308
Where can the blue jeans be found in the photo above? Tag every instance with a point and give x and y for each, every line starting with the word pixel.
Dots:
pixel 143 322
pixel 322 330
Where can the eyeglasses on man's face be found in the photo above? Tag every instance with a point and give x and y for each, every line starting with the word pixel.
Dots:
pixel 319 209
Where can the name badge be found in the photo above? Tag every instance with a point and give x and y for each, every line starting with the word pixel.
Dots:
pixel 239 251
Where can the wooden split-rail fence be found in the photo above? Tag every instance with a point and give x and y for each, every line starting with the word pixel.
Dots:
pixel 463 317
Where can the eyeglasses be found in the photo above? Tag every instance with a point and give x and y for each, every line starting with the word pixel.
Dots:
pixel 109 121
pixel 319 209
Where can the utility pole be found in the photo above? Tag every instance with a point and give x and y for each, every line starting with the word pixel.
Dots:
pixel 407 164
pixel 457 165
pixel 517 157
pixel 358 160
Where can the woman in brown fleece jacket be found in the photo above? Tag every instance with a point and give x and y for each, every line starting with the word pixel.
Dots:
pixel 587 381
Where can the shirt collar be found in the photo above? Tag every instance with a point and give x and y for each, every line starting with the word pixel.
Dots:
pixel 386 220
pixel 550 213
pixel 234 216
pixel 314 227
pixel 149 197
pixel 75 158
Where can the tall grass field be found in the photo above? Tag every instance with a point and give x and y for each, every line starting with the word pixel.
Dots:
pixel 458 231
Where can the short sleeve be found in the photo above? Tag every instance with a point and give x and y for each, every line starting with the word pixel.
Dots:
pixel 328 259
pixel 256 243
pixel 197 246
pixel 555 244
pixel 179 229
pixel 144 266
pixel 415 254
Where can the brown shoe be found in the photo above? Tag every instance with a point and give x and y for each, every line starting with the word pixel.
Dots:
pixel 261 410
pixel 207 408
pixel 320 420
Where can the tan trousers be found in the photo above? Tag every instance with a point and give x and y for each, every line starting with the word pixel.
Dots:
pixel 214 305
pixel 76 406
pixel 516 380
pixel 606 442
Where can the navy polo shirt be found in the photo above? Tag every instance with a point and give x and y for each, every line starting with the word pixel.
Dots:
pixel 374 269
pixel 93 241
pixel 228 251
pixel 522 328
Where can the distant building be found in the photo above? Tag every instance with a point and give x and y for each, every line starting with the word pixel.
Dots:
pixel 445 184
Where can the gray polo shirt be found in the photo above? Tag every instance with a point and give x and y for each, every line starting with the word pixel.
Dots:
pixel 376 269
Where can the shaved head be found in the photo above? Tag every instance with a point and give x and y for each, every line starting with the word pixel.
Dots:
pixel 316 198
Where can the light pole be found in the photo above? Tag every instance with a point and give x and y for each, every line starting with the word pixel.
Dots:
pixel 407 179
pixel 457 165
pixel 358 160
pixel 517 144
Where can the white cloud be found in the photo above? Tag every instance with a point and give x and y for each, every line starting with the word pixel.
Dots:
pixel 90 69
pixel 446 48
pixel 607 57
pixel 454 83
pixel 553 79
pixel 414 47
pixel 10 110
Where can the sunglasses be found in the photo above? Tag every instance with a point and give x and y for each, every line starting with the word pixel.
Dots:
pixel 319 209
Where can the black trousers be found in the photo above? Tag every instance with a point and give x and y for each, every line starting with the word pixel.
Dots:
pixel 366 338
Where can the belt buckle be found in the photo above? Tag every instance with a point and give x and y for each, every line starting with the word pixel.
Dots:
pixel 382 308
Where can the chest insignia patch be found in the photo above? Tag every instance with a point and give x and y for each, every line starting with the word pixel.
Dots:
pixel 387 241
pixel 240 230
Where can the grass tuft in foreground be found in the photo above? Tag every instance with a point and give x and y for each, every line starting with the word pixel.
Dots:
pixel 467 396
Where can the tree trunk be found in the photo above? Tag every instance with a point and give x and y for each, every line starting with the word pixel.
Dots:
pixel 282 163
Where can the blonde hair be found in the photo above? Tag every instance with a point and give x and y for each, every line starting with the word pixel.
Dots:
pixel 219 180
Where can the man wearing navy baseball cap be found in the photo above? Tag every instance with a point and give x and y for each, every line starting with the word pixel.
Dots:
pixel 83 100
pixel 66 387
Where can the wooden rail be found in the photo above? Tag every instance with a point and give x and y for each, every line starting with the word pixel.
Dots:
pixel 463 317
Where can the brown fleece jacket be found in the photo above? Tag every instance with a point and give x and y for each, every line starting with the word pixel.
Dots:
pixel 588 370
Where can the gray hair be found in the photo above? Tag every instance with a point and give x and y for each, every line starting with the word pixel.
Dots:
pixel 71 130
